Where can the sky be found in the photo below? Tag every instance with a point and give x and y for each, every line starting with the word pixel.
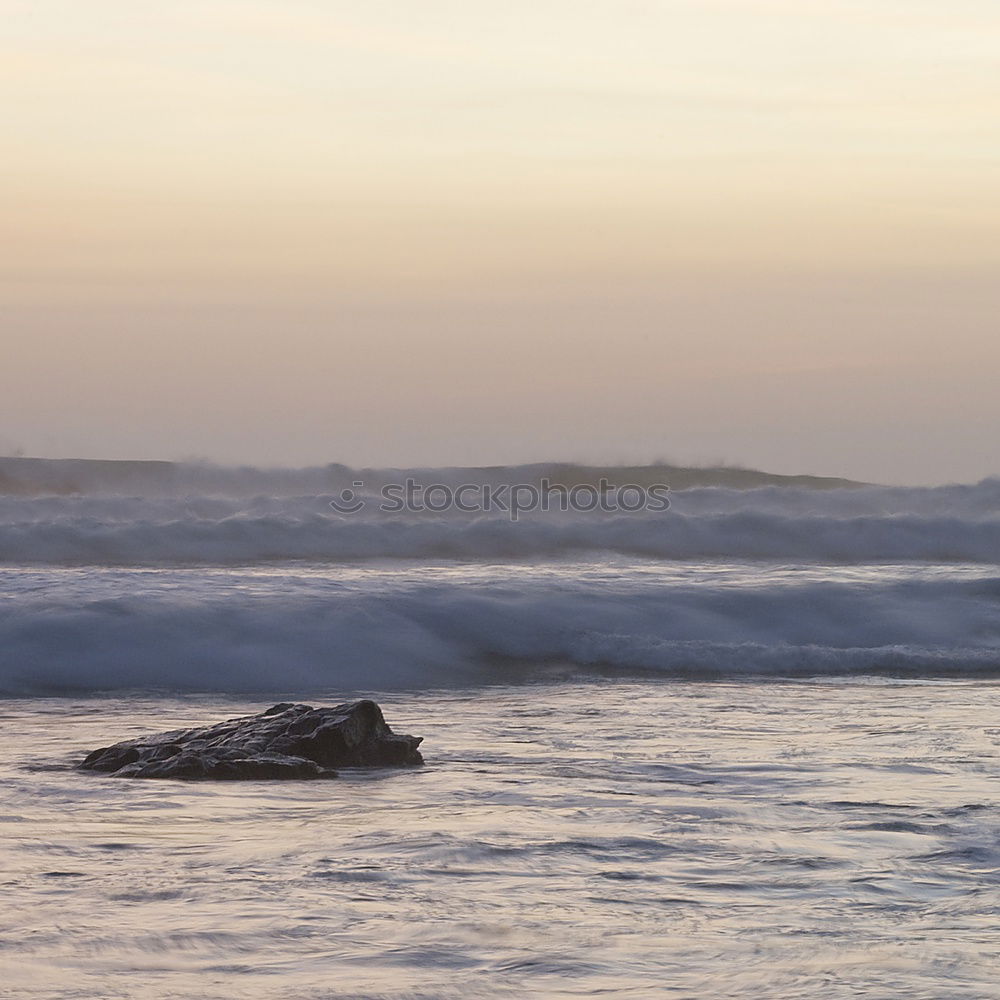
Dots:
pixel 394 233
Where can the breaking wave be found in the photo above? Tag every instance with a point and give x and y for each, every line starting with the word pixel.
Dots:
pixel 951 524
pixel 229 591
pixel 281 631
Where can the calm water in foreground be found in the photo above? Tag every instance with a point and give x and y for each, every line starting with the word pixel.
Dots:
pixel 835 838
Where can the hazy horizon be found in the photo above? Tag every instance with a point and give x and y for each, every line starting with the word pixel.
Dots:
pixel 454 234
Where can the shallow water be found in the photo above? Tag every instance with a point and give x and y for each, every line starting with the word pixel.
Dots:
pixel 619 838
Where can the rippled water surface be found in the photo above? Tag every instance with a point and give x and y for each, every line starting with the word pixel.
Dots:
pixel 628 839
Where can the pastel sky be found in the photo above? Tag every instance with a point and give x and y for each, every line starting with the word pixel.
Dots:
pixel 443 232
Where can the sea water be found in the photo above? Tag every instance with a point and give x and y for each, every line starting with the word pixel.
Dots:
pixel 747 747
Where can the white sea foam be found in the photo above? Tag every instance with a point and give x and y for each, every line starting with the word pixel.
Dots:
pixel 269 592
pixel 953 524
pixel 398 627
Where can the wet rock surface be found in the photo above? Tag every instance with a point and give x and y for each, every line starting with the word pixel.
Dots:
pixel 287 741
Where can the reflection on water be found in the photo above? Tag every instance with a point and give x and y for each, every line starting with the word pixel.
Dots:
pixel 624 839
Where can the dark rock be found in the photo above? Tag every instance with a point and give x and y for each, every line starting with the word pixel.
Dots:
pixel 286 741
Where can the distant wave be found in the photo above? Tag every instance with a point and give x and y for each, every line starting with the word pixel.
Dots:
pixel 180 631
pixel 43 477
pixel 96 591
pixel 949 525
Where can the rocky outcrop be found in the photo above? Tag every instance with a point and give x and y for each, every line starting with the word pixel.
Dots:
pixel 286 741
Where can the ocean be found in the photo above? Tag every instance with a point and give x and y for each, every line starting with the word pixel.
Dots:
pixel 745 746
